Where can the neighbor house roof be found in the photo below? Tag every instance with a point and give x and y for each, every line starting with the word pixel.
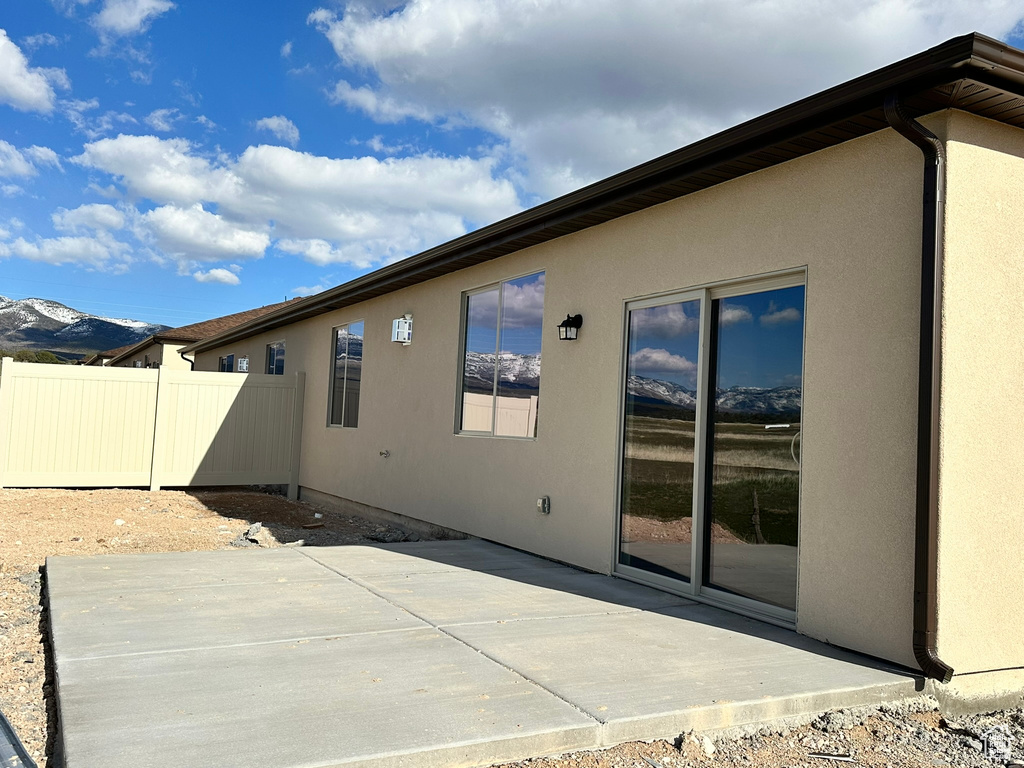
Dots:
pixel 99 357
pixel 197 331
pixel 972 73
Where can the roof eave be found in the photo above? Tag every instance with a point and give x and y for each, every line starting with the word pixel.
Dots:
pixel 972 55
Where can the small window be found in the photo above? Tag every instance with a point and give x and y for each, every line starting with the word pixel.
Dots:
pixel 275 358
pixel 346 375
pixel 500 390
pixel 226 364
pixel 243 365
pixel 137 363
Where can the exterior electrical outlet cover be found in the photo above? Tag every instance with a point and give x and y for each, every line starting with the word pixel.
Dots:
pixel 544 505
pixel 401 330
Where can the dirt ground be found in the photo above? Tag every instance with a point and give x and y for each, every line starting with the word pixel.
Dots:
pixel 37 523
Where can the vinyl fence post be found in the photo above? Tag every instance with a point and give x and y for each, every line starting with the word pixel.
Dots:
pixel 159 422
pixel 6 412
pixel 297 403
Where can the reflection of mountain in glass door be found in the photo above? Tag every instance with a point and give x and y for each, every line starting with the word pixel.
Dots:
pixel 660 409
pixel 753 468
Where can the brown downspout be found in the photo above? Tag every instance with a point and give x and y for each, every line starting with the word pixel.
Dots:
pixel 926 544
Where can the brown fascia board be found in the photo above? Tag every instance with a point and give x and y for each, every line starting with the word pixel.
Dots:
pixel 972 56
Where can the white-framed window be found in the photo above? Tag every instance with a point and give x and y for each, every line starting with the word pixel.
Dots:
pixel 243 365
pixel 499 390
pixel 275 358
pixel 346 375
pixel 226 364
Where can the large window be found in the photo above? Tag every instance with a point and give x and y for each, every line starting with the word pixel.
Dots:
pixel 275 358
pixel 346 375
pixel 501 362
pixel 226 364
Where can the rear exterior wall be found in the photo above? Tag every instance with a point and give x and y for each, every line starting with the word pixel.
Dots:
pixel 850 215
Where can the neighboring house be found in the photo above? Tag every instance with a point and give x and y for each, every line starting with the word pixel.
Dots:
pixel 104 358
pixel 164 348
pixel 765 409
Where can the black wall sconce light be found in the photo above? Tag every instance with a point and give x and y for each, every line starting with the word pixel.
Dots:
pixel 569 328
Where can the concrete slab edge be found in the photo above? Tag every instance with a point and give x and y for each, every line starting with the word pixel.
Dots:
pixel 759 713
pixel 59 757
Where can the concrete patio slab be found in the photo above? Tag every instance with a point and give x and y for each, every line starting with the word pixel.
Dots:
pixel 415 698
pixel 468 597
pixel 122 622
pixel 426 557
pixel 682 668
pixel 468 654
pixel 136 573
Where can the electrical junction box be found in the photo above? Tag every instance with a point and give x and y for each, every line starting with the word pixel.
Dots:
pixel 401 330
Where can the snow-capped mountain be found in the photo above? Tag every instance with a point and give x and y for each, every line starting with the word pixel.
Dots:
pixel 731 400
pixel 43 324
pixel 515 371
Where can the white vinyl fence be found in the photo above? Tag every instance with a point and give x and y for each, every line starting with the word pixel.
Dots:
pixel 82 427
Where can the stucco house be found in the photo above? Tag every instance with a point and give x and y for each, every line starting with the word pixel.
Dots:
pixel 795 392
pixel 164 348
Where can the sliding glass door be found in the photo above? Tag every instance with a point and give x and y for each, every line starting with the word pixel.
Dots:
pixel 711 444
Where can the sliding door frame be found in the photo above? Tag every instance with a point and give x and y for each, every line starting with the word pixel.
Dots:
pixel 695 589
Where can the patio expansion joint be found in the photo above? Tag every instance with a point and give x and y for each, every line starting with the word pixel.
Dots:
pixel 600 723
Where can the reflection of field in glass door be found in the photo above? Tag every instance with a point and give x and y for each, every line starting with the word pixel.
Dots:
pixel 754 427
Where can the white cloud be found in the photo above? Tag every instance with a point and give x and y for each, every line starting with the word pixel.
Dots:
pixel 11 190
pixel 776 316
pixel 163 119
pixel 13 161
pixel 206 122
pixel 97 216
pixel 122 18
pixel 667 322
pixel 94 126
pixel 309 290
pixel 358 211
pixel 98 252
pixel 732 314
pixel 281 127
pixel 25 162
pixel 577 90
pixel 217 275
pixel 286 50
pixel 198 235
pixel 38 41
pixel 650 360
pixel 29 89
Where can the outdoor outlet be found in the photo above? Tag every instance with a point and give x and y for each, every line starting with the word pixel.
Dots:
pixel 544 505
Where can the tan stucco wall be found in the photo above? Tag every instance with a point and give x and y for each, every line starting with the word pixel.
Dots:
pixel 159 354
pixel 849 214
pixel 981 579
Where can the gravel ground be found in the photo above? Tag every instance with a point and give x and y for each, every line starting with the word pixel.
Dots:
pixel 37 523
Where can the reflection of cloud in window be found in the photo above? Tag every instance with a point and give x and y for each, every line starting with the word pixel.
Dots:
pixel 731 314
pixel 523 303
pixel 776 316
pixel 665 322
pixel 483 308
pixel 648 360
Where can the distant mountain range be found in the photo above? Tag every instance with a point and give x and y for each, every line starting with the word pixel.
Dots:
pixel 41 324
pixel 736 400
pixel 522 372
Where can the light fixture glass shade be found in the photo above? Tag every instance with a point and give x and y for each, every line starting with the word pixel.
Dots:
pixel 569 328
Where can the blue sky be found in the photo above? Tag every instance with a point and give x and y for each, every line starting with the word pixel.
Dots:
pixel 175 161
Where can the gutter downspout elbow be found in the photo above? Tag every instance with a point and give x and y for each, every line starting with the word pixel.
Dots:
pixel 926 545
pixel 191 363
